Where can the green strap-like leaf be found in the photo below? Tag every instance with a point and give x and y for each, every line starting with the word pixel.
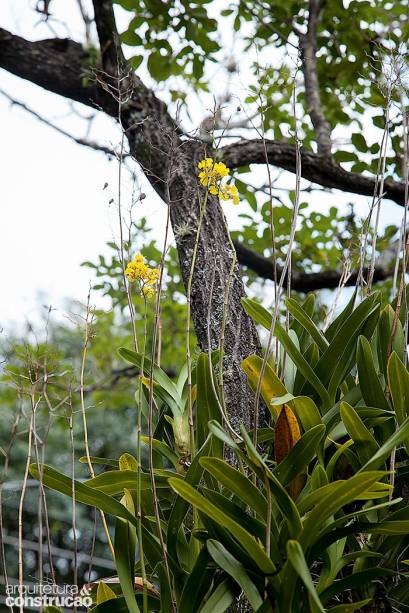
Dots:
pixel 260 315
pixel 335 361
pixel 83 493
pixel 245 539
pixel 356 580
pixel 341 494
pixel 349 608
pixel 341 318
pixel 158 374
pixel 306 411
pixel 237 483
pixel 207 403
pixel 197 584
pixel 124 566
pixel 115 481
pixel 220 600
pixel 235 569
pixel 162 448
pixel 386 327
pixel 300 455
pixel 398 379
pixel 302 364
pixel 181 506
pixel 297 560
pixel 372 390
pixel 286 505
pixel 257 312
pixel 365 444
pixel 305 320
pixel 385 450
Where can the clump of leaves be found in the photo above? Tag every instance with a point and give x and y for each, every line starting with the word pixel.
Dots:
pixel 305 515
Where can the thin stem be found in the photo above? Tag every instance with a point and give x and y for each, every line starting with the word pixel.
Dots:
pixel 88 325
pixel 188 315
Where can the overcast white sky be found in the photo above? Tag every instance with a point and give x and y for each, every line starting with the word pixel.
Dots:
pixel 54 213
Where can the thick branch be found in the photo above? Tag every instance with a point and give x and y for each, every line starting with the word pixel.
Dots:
pixel 314 168
pixel 60 65
pixel 111 51
pixel 308 44
pixel 302 282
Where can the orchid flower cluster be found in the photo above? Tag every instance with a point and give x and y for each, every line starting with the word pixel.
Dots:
pixel 138 270
pixel 211 176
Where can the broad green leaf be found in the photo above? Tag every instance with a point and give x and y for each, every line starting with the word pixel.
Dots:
pixel 159 375
pixel 254 526
pixel 217 430
pixel 305 320
pixel 220 600
pixel 371 388
pixel 297 560
pixel 124 561
pixel 94 460
pixel 237 483
pixel 398 379
pixel 385 346
pixel 392 527
pixel 127 462
pixel 306 411
pixel 114 481
pixel 162 448
pixel 336 361
pixel 180 506
pixel 257 312
pixel 341 318
pixel 302 364
pixel 300 456
pixel 365 444
pixel 235 569
pixel 260 315
pixel 335 457
pixel 356 580
pixel 385 450
pixel 286 505
pixel 175 405
pixel 245 539
pixel 83 493
pixel 197 584
pixel 207 403
pixel 377 490
pixel 341 494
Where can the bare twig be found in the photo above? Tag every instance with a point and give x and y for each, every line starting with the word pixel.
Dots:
pixel 50 124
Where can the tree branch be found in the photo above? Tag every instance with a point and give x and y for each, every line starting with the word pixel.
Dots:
pixel 112 55
pixel 315 168
pixel 308 44
pixel 58 64
pixel 80 141
pixel 301 282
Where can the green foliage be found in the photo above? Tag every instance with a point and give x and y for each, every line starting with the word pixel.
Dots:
pixel 239 526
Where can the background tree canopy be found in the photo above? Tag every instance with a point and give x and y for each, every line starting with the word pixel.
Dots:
pixel 306 104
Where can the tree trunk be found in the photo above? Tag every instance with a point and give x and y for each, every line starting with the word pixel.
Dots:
pixel 211 275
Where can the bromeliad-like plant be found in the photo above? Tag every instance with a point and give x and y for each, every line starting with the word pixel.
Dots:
pixel 309 514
